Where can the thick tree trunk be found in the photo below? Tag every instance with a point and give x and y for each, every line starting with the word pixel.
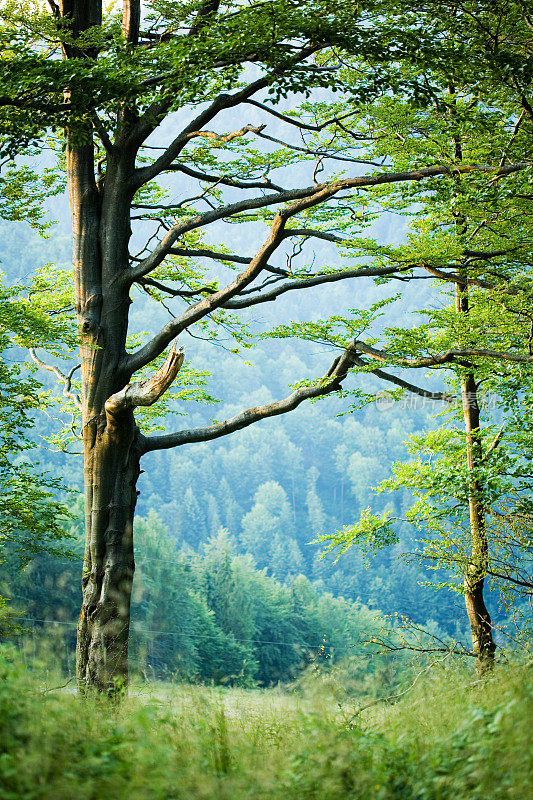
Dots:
pixel 480 622
pixel 100 213
pixel 100 220
pixel 111 472
pixel 483 644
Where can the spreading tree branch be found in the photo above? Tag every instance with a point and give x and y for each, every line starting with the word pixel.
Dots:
pixel 298 123
pixel 329 383
pixel 306 282
pixel 314 234
pixel 440 359
pixel 218 299
pixel 225 180
pixel 410 387
pixel 320 191
pixel 302 200
pixel 159 109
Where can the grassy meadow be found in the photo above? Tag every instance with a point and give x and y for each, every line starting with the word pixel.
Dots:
pixel 450 736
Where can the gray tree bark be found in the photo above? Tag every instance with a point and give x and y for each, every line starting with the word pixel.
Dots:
pixel 100 222
pixel 483 644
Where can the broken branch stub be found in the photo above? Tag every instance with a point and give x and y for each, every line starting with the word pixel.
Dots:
pixel 148 392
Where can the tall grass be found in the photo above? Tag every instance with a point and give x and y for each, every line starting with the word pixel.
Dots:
pixel 449 737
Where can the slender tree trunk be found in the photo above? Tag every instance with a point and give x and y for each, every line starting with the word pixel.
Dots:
pixel 480 622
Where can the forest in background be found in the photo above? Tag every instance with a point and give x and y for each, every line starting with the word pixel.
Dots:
pixel 277 491
pixel 265 493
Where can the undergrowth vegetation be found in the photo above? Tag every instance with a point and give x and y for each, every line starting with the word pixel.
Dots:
pixel 450 736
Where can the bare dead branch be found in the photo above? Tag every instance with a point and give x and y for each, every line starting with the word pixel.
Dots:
pixel 148 392
pixel 66 380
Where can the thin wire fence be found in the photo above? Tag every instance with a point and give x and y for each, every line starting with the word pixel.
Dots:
pixel 162 655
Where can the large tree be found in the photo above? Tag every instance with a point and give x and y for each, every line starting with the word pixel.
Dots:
pixel 474 235
pixel 169 90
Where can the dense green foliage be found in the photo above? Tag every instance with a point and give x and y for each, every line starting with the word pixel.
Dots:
pixel 32 519
pixel 447 739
